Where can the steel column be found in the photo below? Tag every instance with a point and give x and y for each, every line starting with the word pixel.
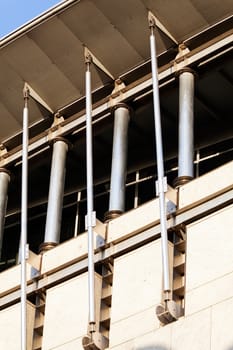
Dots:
pixel 4 182
pixel 186 146
pixel 56 191
pixel 161 186
pixel 90 219
pixel 119 157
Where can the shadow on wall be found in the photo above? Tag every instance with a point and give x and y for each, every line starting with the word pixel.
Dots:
pixel 154 347
pixel 161 347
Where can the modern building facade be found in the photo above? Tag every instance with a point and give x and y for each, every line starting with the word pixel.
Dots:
pixel 116 181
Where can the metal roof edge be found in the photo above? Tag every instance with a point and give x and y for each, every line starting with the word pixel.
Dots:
pixel 45 16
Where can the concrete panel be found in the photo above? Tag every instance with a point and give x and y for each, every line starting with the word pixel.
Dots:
pixel 10 327
pixel 222 320
pixel 136 220
pixel 158 340
pixel 206 186
pixel 73 345
pixel 137 289
pixel 133 326
pixel 192 333
pixel 209 248
pixel 209 294
pixel 10 279
pixel 72 249
pixel 66 312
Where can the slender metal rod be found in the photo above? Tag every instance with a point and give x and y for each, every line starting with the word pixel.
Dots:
pixel 56 192
pixel 76 223
pixel 160 167
pixel 119 156
pixel 186 101
pixel 4 182
pixel 24 200
pixel 90 219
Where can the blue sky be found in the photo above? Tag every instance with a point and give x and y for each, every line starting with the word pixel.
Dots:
pixel 15 13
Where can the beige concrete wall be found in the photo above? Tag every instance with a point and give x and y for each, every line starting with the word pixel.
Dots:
pixel 136 220
pixel 10 327
pixel 190 333
pixel 209 329
pixel 66 313
pixel 73 249
pixel 205 186
pixel 10 279
pixel 209 260
pixel 137 289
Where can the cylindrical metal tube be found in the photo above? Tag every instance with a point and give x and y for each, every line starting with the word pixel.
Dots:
pixel 160 167
pixel 186 102
pixel 89 165
pixel 56 191
pixel 23 240
pixel 119 157
pixel 4 182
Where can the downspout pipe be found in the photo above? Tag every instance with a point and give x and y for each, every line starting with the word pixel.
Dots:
pixel 119 160
pixel 23 238
pixel 90 218
pixel 186 133
pixel 161 182
pixel 56 192
pixel 4 182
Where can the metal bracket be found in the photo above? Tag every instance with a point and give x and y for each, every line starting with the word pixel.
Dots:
pixel 93 220
pixel 58 119
pixel 101 69
pixel 119 88
pixel 181 57
pixel 3 150
pixel 27 252
pixel 154 22
pixel 28 91
pixel 161 187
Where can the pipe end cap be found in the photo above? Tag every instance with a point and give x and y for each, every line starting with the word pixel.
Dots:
pixel 112 214
pixel 44 247
pixel 94 341
pixel 169 312
pixel 181 180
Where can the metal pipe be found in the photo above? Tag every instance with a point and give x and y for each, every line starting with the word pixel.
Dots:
pixel 90 214
pixel 4 182
pixel 186 147
pixel 159 157
pixel 23 241
pixel 56 191
pixel 119 156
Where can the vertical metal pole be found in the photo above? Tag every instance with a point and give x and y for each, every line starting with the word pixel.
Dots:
pixel 4 181
pixel 161 185
pixel 56 191
pixel 197 163
pixel 90 214
pixel 24 199
pixel 186 147
pixel 77 214
pixel 119 156
pixel 136 189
